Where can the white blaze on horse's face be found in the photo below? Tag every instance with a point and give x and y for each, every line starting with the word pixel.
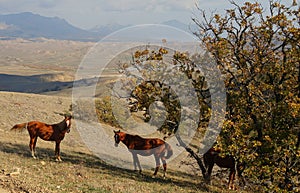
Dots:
pixel 117 140
pixel 68 123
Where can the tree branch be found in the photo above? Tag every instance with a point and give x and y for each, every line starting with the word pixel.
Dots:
pixel 192 153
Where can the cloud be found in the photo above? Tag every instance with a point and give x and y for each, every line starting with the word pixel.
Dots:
pixel 48 3
pixel 151 6
pixel 26 5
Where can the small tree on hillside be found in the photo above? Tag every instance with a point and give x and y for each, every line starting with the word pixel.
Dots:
pixel 149 78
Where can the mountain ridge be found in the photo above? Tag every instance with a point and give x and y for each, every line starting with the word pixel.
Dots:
pixel 30 25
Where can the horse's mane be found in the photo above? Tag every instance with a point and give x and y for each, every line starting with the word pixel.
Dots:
pixel 136 137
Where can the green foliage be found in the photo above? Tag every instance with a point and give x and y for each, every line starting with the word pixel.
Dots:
pixel 258 53
pixel 147 89
pixel 104 111
pixel 157 66
pixel 101 113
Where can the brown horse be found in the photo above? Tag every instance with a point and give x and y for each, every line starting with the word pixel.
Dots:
pixel 145 147
pixel 212 157
pixel 54 132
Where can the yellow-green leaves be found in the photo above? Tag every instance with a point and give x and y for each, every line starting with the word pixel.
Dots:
pixel 258 52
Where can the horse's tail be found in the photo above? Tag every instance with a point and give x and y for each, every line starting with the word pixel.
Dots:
pixel 19 127
pixel 169 150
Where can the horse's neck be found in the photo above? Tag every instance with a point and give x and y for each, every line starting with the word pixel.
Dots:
pixel 62 125
pixel 128 139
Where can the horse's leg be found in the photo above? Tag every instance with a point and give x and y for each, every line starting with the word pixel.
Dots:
pixel 134 158
pixel 240 168
pixel 207 176
pixel 163 160
pixel 57 150
pixel 32 144
pixel 209 164
pixel 231 179
pixel 136 162
pixel 157 164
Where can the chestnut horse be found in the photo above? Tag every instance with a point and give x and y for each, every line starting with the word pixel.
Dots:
pixel 145 147
pixel 212 157
pixel 54 132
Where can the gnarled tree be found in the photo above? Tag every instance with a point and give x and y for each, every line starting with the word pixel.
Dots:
pixel 258 53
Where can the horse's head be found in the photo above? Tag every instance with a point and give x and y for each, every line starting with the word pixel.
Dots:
pixel 68 122
pixel 119 136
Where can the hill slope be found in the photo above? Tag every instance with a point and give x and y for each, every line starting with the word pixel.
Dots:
pixel 80 170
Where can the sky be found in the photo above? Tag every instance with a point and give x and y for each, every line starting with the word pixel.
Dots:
pixel 90 13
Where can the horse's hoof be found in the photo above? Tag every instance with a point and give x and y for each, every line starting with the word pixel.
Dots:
pixel 232 188
pixel 164 175
pixel 58 160
pixel 153 176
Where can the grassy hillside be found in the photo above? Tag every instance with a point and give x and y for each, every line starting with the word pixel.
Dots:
pixel 80 170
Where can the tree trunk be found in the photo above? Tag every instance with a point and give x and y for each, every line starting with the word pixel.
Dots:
pixel 192 153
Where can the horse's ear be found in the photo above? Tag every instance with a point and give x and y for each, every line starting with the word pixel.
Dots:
pixel 117 131
pixel 68 115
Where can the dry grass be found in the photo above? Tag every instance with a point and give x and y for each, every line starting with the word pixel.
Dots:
pixel 80 170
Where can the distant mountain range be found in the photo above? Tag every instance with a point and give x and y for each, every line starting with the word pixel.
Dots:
pixel 107 29
pixel 29 25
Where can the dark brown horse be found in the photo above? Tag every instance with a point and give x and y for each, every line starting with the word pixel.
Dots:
pixel 212 157
pixel 145 147
pixel 54 132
